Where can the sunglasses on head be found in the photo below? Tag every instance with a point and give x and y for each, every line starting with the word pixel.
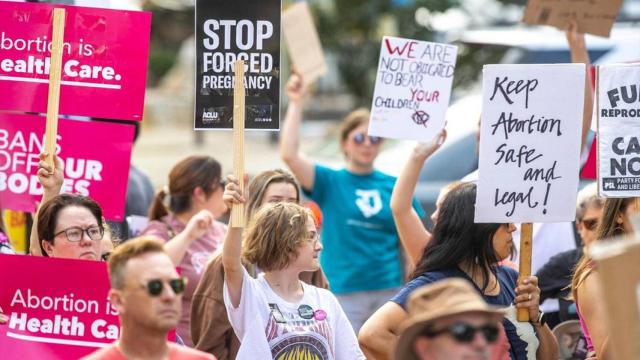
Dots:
pixel 359 138
pixel 590 224
pixel 155 286
pixel 464 333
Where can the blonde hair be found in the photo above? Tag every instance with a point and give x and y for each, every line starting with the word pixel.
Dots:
pixel 259 184
pixel 608 227
pixel 127 251
pixel 274 235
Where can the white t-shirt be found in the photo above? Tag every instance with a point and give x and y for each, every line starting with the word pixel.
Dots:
pixel 270 328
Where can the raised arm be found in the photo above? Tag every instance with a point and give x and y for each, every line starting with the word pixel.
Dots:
pixel 51 181
pixel 197 226
pixel 413 235
pixel 379 334
pixel 301 167
pixel 232 249
pixel 580 55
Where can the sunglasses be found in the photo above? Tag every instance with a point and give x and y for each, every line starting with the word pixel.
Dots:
pixel 155 286
pixel 590 224
pixel 359 139
pixel 464 333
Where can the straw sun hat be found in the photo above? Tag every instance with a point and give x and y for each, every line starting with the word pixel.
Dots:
pixel 436 301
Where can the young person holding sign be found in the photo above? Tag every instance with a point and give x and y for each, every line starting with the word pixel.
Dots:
pixel 461 248
pixel 211 330
pixel 586 282
pixel 277 316
pixel 362 257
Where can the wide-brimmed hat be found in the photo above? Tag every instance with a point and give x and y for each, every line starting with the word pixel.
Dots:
pixel 436 301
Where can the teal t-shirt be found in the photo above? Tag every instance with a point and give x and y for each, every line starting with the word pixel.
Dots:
pixel 361 244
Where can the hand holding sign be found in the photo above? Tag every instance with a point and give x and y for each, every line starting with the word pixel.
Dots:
pixel 232 192
pixel 424 150
pixel 528 296
pixel 296 88
pixel 51 178
pixel 3 318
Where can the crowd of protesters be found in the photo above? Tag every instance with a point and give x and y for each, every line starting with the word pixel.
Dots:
pixel 280 287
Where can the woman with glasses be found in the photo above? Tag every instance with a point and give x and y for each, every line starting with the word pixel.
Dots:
pixel 210 328
pixel 278 316
pixel 461 248
pixel 362 257
pixel 587 293
pixel 193 194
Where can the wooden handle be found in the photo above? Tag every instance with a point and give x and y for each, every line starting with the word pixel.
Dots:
pixel 237 211
pixel 526 246
pixel 55 74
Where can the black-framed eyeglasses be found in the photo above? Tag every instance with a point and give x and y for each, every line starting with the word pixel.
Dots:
pixel 359 138
pixel 155 286
pixel 590 224
pixel 464 333
pixel 75 233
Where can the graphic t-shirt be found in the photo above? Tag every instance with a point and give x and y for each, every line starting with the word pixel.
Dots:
pixel 268 327
pixel 523 341
pixel 361 244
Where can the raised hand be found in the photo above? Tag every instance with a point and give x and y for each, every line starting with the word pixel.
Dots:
pixel 199 224
pixel 51 179
pixel 296 88
pixel 424 150
pixel 232 192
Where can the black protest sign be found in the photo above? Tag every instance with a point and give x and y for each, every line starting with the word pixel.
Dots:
pixel 227 31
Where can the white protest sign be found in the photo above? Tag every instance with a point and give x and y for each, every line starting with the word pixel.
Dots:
pixel 618 105
pixel 413 87
pixel 530 143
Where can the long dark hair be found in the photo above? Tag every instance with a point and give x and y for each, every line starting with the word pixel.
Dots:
pixel 458 239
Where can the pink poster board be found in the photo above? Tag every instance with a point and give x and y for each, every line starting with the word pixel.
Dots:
pixel 60 308
pixel 96 157
pixel 104 61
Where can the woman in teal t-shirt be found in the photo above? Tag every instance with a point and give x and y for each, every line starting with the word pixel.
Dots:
pixel 361 256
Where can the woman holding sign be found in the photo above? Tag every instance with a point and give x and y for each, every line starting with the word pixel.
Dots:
pixel 586 283
pixel 461 248
pixel 362 258
pixel 194 193
pixel 278 316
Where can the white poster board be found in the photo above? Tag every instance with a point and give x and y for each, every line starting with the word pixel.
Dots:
pixel 413 87
pixel 618 102
pixel 530 143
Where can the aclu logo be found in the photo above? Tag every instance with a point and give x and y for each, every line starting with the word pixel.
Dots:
pixel 210 117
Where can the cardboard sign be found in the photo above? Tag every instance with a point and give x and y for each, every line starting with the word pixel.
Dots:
pixel 618 107
pixel 227 31
pixel 413 87
pixel 592 16
pixel 96 159
pixel 530 143
pixel 57 308
pixel 303 43
pixel 104 60
pixel 620 282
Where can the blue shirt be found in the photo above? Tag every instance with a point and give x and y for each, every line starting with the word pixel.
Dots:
pixel 507 278
pixel 361 245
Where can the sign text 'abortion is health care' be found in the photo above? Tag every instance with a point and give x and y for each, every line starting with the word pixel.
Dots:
pixel 104 60
pixel 530 143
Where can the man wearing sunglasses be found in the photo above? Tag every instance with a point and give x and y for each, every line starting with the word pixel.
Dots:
pixel 146 290
pixel 449 320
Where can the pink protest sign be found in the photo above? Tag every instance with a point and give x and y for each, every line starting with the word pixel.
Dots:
pixel 57 308
pixel 104 61
pixel 96 158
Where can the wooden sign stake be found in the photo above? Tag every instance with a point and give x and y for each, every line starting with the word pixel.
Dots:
pixel 55 74
pixel 237 211
pixel 526 246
